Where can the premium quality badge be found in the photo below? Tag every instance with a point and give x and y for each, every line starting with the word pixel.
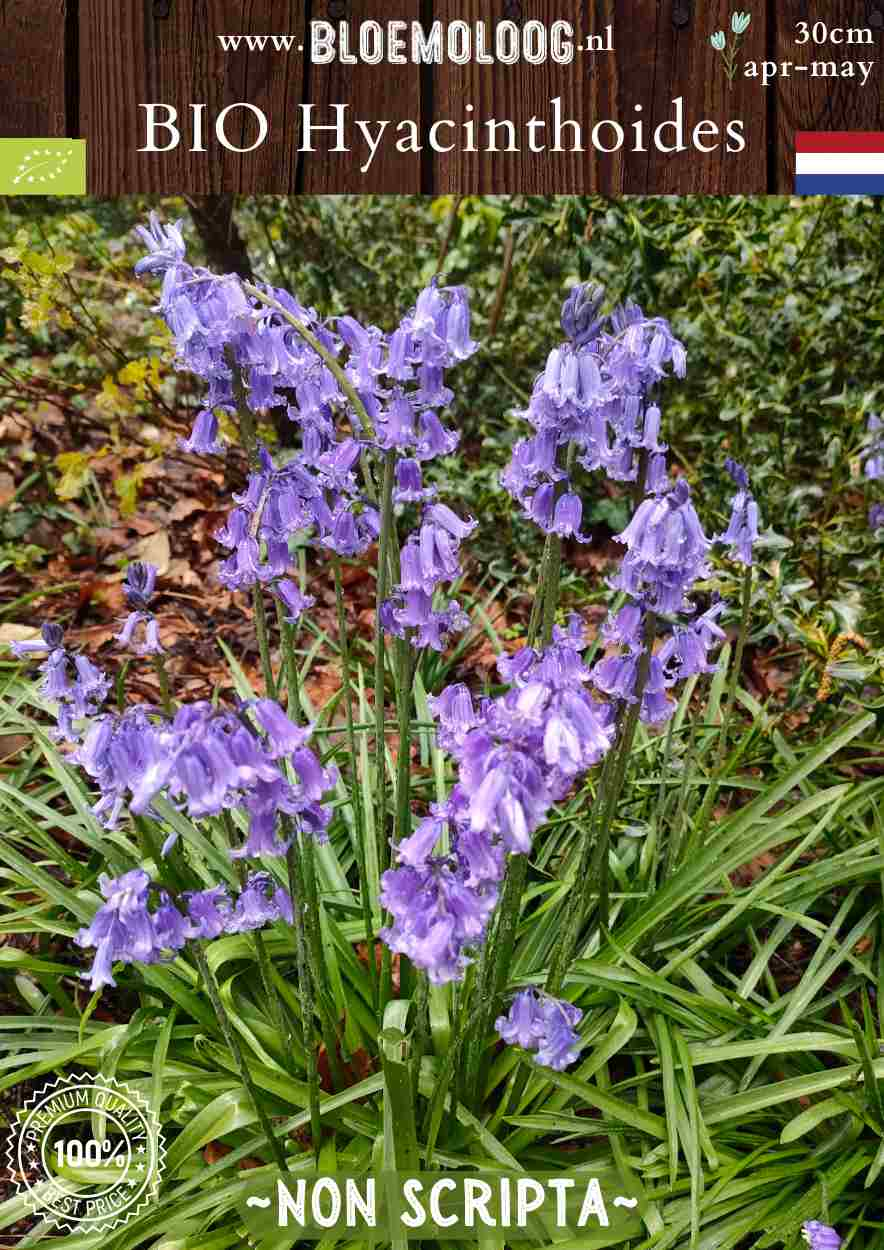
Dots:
pixel 86 1152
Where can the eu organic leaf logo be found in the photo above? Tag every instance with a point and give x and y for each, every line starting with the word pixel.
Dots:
pixel 42 165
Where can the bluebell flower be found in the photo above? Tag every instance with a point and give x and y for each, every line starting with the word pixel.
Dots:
pixel 139 584
pixel 74 683
pixel 283 735
pixel 294 602
pixel 524 1024
pixel 409 486
pixel 164 243
pixel 617 676
pixel 543 1024
pixel 876 516
pixel 51 639
pixel 260 902
pixel 427 560
pixel 150 637
pixel 742 532
pixel 437 916
pixel 666 550
pixel 580 320
pixel 873 456
pixel 567 517
pixel 171 928
pixel 123 929
pixel 208 761
pixel 203 440
pixel 209 912
pixel 433 439
pixel 455 715
pixel 820 1236
pixel 138 589
pixel 685 651
pixel 509 795
pixel 624 627
pixel 592 395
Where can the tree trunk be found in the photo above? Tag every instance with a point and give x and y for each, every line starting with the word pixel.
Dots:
pixel 224 247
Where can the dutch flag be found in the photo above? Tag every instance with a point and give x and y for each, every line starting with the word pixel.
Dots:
pixel 839 162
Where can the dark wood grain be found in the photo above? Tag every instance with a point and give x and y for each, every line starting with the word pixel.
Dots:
pixel 825 103
pixel 517 93
pixel 674 59
pixel 373 92
pixel 32 68
pixel 83 67
pixel 129 56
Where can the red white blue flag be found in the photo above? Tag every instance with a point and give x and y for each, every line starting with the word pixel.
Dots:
pixel 839 162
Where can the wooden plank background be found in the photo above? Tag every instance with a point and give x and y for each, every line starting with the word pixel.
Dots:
pixel 82 67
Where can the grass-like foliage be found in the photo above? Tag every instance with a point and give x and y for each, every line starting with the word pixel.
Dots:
pixel 608 909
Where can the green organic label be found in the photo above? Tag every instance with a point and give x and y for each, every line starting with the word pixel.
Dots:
pixel 597 1207
pixel 42 166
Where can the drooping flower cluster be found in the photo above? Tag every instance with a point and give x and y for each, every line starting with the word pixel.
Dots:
pixel 139 588
pixel 820 1236
pixel 594 397
pixel 398 381
pixel 543 1024
pixel 214 321
pixel 324 498
pixel 666 551
pixel 208 761
pixel 139 924
pixel 742 532
pixel 873 467
pixel 516 755
pixel 73 682
pixel 441 903
pixel 429 559
pixel 873 455
pixel 592 394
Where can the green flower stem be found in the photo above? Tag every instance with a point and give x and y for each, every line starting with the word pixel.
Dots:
pixel 289 665
pixel 166 703
pixel 552 561
pixel 274 1002
pixel 170 876
pixel 306 992
pixel 537 605
pixel 402 815
pixel 730 707
pixel 496 965
pixel 421 1042
pixel 387 543
pixel 594 867
pixel 384 542
pixel 316 950
pixel 249 436
pixel 305 903
pixel 262 634
pixel 407 664
pixel 236 1051
pixel 358 816
pixel 551 589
